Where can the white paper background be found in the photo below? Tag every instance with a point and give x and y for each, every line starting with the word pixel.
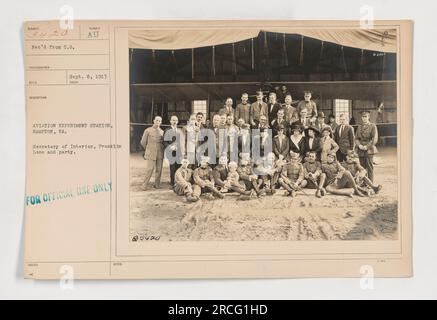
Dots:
pixel 12 141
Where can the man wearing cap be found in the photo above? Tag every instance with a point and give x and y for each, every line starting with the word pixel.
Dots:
pixel 272 107
pixel 243 109
pixel 257 109
pixel 345 137
pixel 204 179
pixel 309 104
pixel 183 186
pixel 152 142
pixel 366 139
pixel 281 143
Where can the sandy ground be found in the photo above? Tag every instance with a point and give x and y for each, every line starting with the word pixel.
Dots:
pixel 161 213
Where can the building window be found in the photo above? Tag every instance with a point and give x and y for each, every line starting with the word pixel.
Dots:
pixel 199 106
pixel 341 106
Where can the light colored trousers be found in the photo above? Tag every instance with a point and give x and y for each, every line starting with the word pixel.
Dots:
pixel 152 165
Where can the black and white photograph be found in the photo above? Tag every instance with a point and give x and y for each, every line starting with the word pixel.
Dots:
pixel 248 135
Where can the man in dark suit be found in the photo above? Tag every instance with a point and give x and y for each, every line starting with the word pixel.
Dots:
pixel 332 123
pixel 243 109
pixel 281 143
pixel 173 143
pixel 303 121
pixel 272 107
pixel 345 137
pixel 227 109
pixel 257 109
pixel 279 121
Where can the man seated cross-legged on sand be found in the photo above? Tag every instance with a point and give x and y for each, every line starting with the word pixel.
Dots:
pixel 247 176
pixel 339 180
pixel 292 175
pixel 353 165
pixel 314 177
pixel 269 174
pixel 204 179
pixel 183 178
pixel 227 178
pixel 232 182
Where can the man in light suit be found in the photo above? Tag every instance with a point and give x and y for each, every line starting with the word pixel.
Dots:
pixel 258 109
pixel 345 137
pixel 152 142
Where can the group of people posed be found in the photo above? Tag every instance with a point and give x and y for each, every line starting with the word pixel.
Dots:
pixel 299 150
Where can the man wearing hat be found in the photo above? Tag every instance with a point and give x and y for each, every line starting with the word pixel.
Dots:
pixel 359 173
pixel 366 139
pixel 309 104
pixel 292 175
pixel 332 122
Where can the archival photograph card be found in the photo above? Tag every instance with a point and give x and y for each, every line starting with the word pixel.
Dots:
pixel 218 149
